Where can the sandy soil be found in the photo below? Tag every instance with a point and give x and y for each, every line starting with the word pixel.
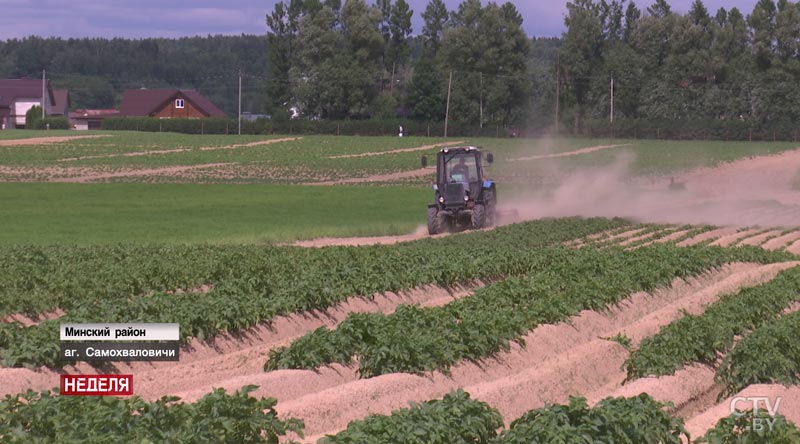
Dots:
pixel 399 150
pixel 789 406
pixel 760 239
pixel 781 241
pixel 734 238
pixel 47 140
pixel 143 172
pixel 550 369
pixel 429 171
pixel 182 150
pixel 28 321
pixel 587 150
pixel 420 233
pixel 707 236
pixel 794 248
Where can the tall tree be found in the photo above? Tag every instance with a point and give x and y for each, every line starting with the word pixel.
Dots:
pixel 659 9
pixel 581 52
pixel 436 17
pixel 400 29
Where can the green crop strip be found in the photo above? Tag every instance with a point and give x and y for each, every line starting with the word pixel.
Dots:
pixel 738 429
pixel 414 339
pixel 769 355
pixel 703 338
pixel 133 283
pixel 457 419
pixel 218 417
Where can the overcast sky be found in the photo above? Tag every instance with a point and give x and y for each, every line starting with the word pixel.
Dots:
pixel 176 18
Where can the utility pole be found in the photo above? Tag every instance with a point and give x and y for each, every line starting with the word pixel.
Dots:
pixel 44 94
pixel 447 111
pixel 612 97
pixel 481 100
pixel 240 101
pixel 391 87
pixel 558 88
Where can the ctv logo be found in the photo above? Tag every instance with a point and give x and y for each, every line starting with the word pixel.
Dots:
pixel 756 404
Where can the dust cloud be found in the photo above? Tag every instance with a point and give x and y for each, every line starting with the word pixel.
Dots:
pixel 748 192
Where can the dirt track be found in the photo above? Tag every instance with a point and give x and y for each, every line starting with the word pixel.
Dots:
pixel 587 150
pixel 429 171
pixel 182 150
pixel 47 140
pixel 399 150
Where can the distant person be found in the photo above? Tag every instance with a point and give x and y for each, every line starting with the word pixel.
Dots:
pixel 401 130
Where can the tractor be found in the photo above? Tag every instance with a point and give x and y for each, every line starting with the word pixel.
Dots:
pixel 463 197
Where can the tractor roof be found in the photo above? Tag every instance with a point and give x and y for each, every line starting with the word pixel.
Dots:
pixel 460 149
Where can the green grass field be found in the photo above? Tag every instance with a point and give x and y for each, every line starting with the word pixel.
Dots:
pixel 252 193
pixel 192 213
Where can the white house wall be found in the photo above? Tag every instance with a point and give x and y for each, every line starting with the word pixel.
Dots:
pixel 21 107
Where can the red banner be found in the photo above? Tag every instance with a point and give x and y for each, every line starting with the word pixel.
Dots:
pixel 96 385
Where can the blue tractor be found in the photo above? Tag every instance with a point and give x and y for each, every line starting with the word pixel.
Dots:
pixel 464 198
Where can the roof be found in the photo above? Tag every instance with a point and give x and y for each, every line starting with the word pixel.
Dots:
pixel 143 102
pixel 13 89
pixel 61 98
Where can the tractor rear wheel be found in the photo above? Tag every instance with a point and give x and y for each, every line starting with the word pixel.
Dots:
pixel 434 222
pixel 491 209
pixel 478 216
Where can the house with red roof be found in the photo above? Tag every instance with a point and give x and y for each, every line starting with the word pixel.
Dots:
pixel 17 96
pixel 167 104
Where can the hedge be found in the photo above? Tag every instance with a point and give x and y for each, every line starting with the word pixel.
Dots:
pixel 56 123
pixel 711 129
pixel 299 127
pixel 621 128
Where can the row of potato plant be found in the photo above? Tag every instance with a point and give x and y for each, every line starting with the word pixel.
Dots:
pixel 703 338
pixel 567 281
pixel 256 283
pixel 458 419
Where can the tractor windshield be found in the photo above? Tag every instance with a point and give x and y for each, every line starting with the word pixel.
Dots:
pixel 460 167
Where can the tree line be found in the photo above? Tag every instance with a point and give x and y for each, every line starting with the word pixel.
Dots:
pixel 353 60
pixel 726 66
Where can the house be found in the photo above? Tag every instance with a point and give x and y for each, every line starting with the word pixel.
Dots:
pixel 17 96
pixel 90 119
pixel 61 103
pixel 167 104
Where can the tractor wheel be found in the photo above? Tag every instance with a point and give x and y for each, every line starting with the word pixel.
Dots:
pixel 479 216
pixel 491 209
pixel 434 222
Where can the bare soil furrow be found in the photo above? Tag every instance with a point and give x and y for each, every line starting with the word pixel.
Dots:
pixel 757 240
pixel 731 239
pixel 549 369
pixel 789 406
pixel 794 248
pixel 781 241
pixel 707 236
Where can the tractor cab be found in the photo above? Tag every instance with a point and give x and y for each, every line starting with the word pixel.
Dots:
pixel 463 197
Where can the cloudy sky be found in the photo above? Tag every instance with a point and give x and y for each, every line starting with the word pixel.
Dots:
pixel 176 18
